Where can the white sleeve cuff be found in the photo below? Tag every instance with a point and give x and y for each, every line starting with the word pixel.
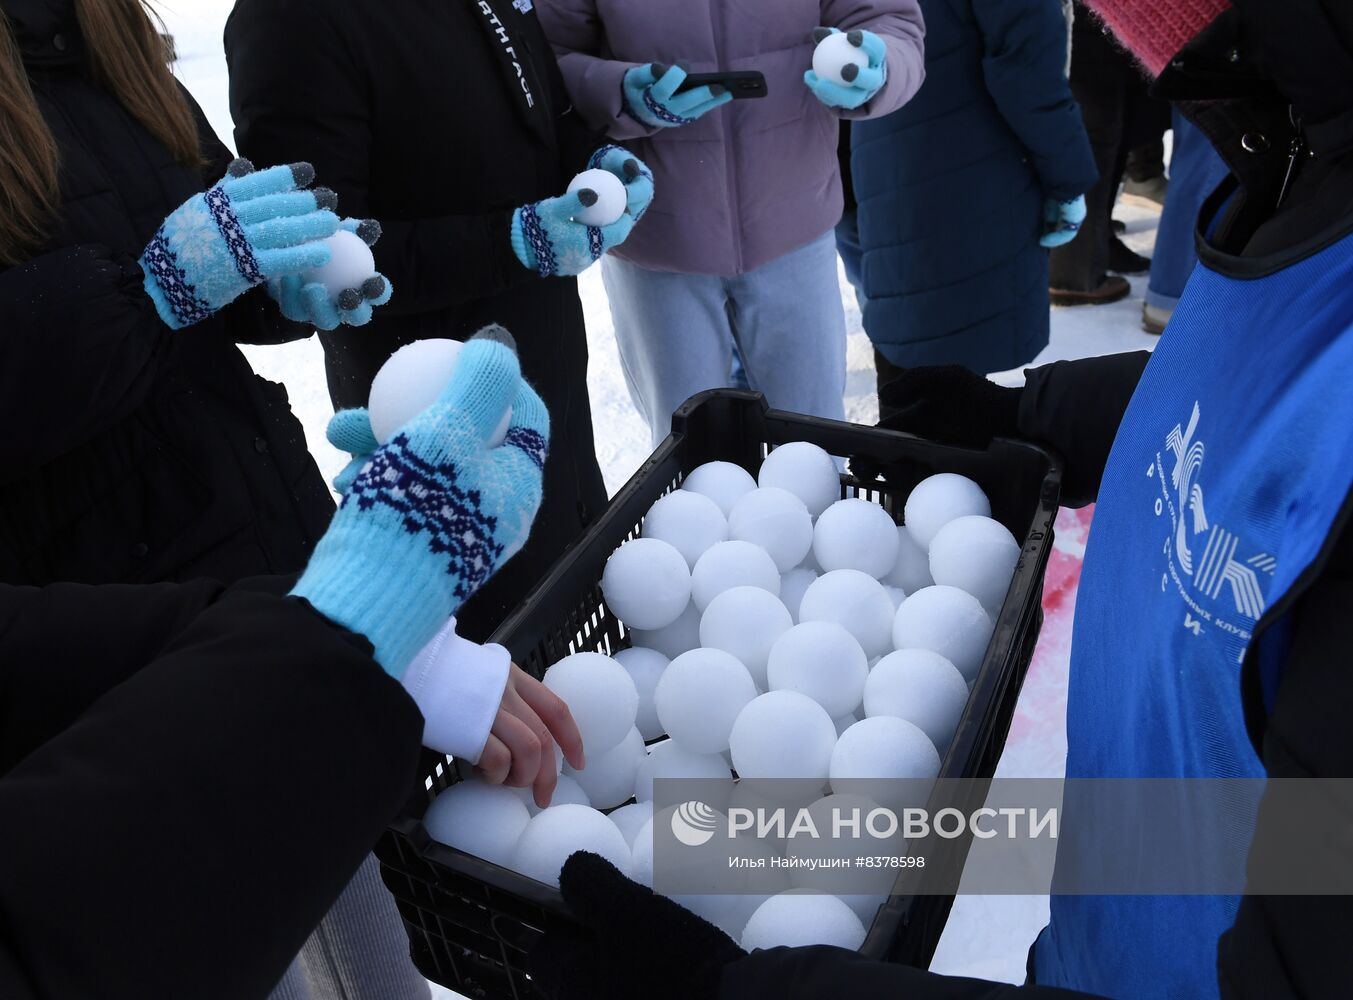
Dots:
pixel 458 685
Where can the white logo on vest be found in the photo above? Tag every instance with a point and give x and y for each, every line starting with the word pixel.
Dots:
pixel 1202 555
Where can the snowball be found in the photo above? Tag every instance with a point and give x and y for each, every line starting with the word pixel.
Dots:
pixel 646 583
pixel 672 640
pixel 856 601
pixel 608 779
pixel 413 379
pixel 844 722
pixel 566 792
pixel 978 555
pixel 922 687
pixel 732 564
pixel 937 501
pixel 806 471
pixel 798 920
pixel 687 521
pixel 835 843
pixel 948 621
pixel 722 482
pixel 669 760
pixel 699 697
pixel 911 570
pixel 783 734
pixel 559 832
pixel 897 595
pixel 884 748
pixel 833 54
pixel 823 661
pixel 601 696
pixel 630 819
pixel 793 585
pixel 479 819
pixel 745 622
pixel 856 534
pixel 777 521
pixel 645 667
pixel 612 198
pixel 351 262
pixel 641 853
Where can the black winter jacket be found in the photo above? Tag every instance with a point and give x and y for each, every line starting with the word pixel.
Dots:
pixel 1274 63
pixel 427 118
pixel 189 776
pixel 133 452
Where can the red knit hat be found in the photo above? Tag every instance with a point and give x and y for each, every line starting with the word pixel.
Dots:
pixel 1156 30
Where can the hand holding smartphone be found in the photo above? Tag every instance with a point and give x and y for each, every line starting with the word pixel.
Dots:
pixel 743 84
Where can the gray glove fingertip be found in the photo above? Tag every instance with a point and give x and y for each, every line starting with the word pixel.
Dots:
pixel 373 287
pixel 326 199
pixel 821 34
pixel 302 173
pixel 856 38
pixel 498 334
pixel 349 299
pixel 239 167
pixel 369 231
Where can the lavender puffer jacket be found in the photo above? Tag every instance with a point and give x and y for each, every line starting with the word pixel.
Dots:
pixel 749 181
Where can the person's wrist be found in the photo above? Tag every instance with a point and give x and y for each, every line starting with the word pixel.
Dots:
pixel 377 592
pixel 458 685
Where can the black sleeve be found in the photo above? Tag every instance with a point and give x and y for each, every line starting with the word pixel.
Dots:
pixel 186 833
pixel 1075 407
pixel 577 140
pixel 65 646
pixel 1298 945
pixel 821 972
pixel 253 318
pixel 80 346
pixel 299 91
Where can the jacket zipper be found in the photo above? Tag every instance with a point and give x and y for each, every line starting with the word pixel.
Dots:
pixel 1295 149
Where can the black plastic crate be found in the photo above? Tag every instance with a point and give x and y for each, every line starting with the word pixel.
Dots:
pixel 471 923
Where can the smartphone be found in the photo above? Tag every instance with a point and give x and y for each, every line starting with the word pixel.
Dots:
pixel 741 83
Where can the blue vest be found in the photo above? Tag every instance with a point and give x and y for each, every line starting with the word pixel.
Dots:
pixel 1231 464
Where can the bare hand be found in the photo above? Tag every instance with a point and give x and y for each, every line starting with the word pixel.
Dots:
pixel 520 749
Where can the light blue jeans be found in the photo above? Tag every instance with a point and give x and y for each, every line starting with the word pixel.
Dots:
pixel 677 333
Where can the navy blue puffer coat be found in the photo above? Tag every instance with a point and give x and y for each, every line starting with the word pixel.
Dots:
pixel 951 188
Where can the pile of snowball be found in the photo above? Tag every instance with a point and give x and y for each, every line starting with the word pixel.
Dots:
pixel 778 631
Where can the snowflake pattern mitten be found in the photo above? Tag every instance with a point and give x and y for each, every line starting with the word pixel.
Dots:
pixel 249 228
pixel 434 511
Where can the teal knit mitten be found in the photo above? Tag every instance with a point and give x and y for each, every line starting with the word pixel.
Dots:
pixel 249 228
pixel 434 512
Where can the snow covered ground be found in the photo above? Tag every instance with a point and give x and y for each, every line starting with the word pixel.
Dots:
pixel 986 937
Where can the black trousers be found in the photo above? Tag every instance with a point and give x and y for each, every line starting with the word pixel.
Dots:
pixel 1119 116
